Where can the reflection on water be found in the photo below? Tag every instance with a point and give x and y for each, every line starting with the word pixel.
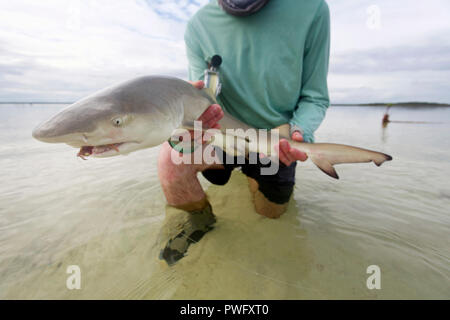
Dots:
pixel 104 215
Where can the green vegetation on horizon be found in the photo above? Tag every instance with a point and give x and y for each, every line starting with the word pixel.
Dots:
pixel 394 104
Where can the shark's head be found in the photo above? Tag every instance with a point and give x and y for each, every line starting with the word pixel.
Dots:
pixel 112 122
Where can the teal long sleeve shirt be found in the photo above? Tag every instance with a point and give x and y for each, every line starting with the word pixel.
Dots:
pixel 275 62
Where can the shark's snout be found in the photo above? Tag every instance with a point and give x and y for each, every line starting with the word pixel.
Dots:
pixel 44 132
pixel 66 126
pixel 53 132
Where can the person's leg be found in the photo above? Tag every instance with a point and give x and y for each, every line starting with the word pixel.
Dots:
pixel 182 228
pixel 270 193
pixel 179 182
pixel 188 214
pixel 264 206
pixel 252 185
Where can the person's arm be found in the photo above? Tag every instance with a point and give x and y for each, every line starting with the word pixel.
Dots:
pixel 314 100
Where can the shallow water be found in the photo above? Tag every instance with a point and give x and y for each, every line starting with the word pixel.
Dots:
pixel 104 215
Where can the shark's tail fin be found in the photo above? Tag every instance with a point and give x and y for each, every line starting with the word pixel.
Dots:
pixel 325 155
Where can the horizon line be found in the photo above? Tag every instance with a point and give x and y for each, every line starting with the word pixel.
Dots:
pixel 332 104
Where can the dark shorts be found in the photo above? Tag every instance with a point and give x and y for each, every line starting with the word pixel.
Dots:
pixel 276 188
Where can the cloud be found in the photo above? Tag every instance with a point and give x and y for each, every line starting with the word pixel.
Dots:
pixel 63 50
pixel 57 50
pixel 392 59
pixel 406 58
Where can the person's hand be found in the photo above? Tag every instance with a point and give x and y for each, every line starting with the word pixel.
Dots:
pixel 288 154
pixel 212 115
pixel 210 118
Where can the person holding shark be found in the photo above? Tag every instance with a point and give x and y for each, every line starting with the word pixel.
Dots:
pixel 274 72
pixel 273 75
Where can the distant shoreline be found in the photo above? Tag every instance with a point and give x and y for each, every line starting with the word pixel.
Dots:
pixel 27 102
pixel 398 104
pixel 374 104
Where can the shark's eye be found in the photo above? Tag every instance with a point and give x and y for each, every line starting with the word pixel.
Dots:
pixel 117 122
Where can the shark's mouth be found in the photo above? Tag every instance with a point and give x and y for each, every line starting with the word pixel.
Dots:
pixel 86 151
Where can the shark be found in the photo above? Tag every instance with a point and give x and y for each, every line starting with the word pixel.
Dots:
pixel 144 112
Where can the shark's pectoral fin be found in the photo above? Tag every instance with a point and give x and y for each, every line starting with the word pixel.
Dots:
pixel 324 165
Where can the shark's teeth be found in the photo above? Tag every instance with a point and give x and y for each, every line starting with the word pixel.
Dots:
pixel 107 147
pixel 86 151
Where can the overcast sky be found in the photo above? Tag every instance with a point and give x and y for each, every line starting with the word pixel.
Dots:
pixel 62 50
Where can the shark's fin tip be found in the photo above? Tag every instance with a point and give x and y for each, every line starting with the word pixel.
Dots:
pixel 386 157
pixel 333 174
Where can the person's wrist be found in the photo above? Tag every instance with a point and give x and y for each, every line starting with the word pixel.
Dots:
pixel 295 128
